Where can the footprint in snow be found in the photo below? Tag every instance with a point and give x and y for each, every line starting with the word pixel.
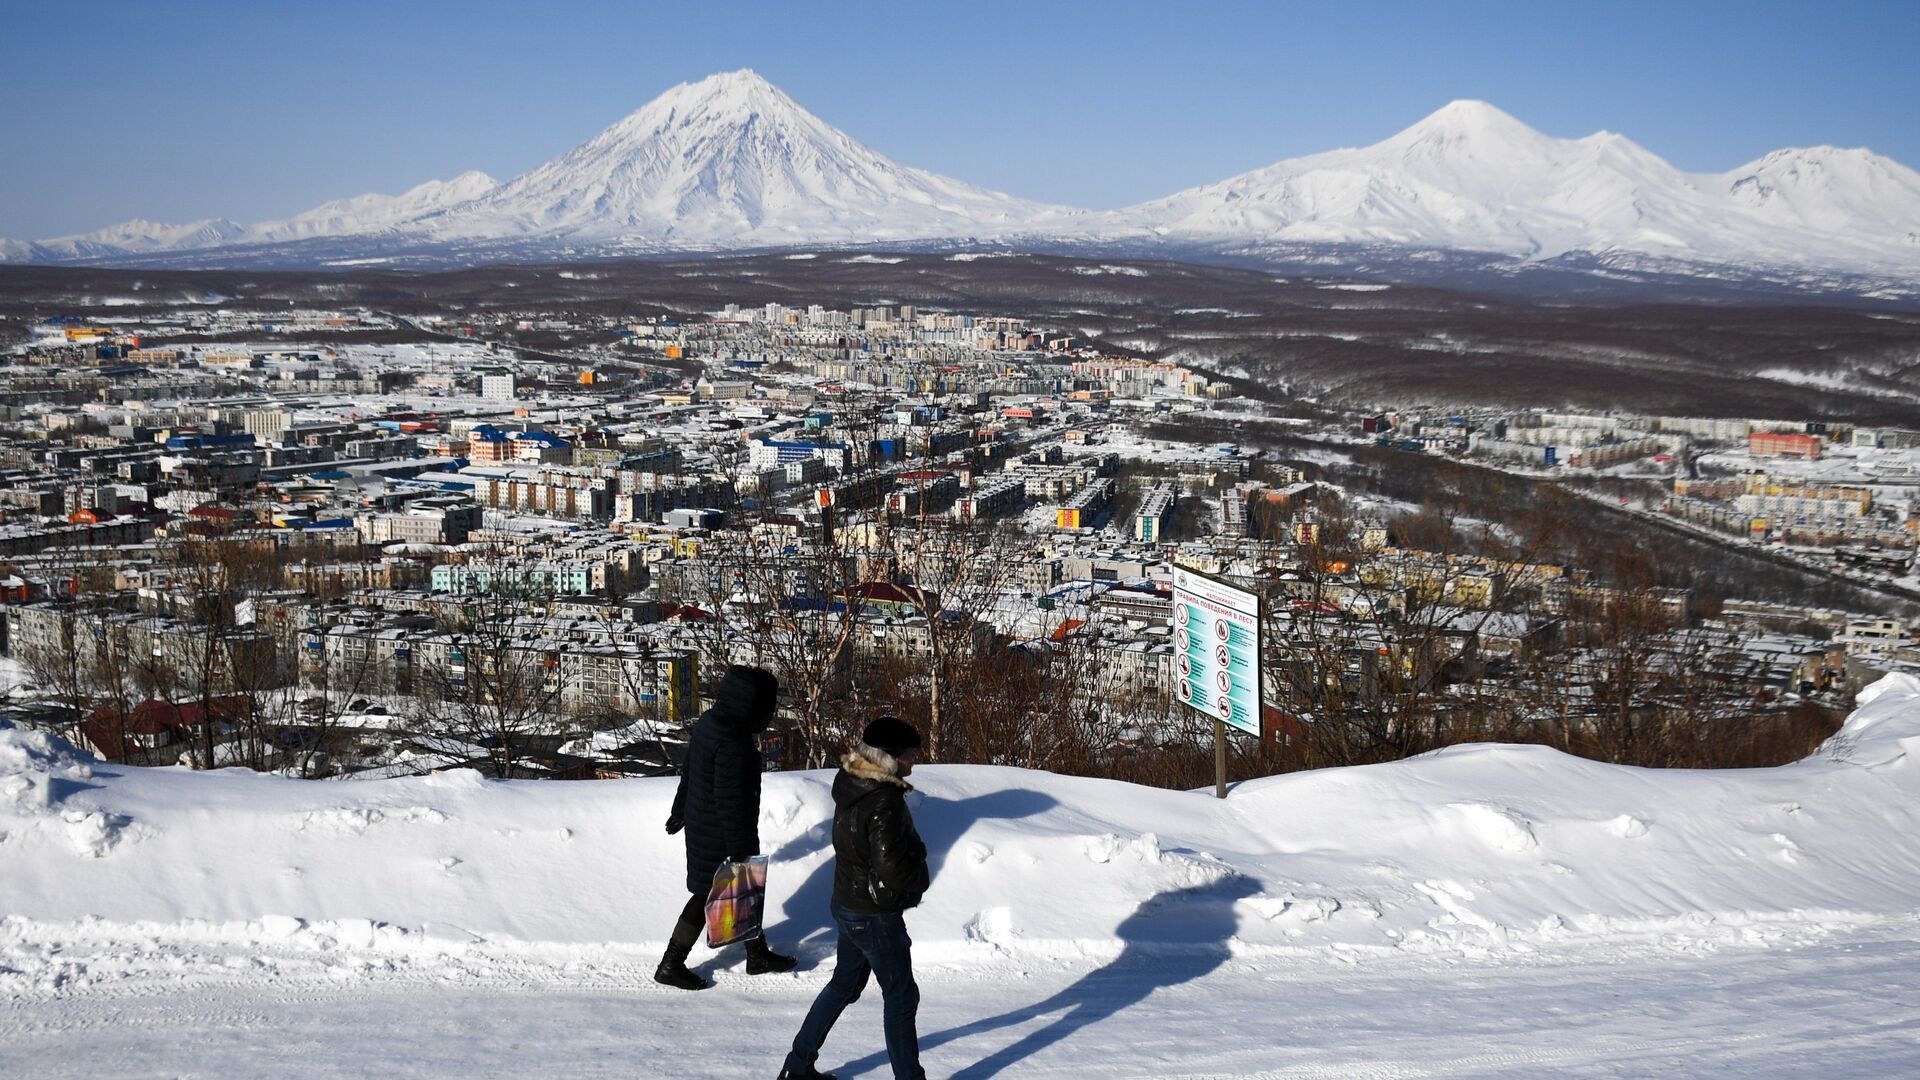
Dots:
pixel 94 834
pixel 1101 849
pixel 786 812
pixel 994 926
pixel 1497 827
pixel 1304 909
pixel 1788 852
pixel 1627 827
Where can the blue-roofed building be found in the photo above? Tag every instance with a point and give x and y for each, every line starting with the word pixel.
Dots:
pixel 209 442
pixel 540 446
pixel 771 453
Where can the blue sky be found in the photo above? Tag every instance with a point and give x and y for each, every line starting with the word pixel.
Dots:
pixel 175 111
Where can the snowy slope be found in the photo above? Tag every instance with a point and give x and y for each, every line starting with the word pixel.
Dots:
pixel 1472 178
pixel 1851 194
pixel 359 216
pixel 1488 911
pixel 373 213
pixel 731 161
pixel 140 236
pixel 1476 850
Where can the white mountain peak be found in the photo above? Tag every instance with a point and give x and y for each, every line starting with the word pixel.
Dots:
pixel 1830 165
pixel 1468 118
pixel 1835 190
pixel 735 98
pixel 1471 177
pixel 728 91
pixel 731 160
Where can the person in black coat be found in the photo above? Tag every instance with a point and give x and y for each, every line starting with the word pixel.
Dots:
pixel 879 872
pixel 718 804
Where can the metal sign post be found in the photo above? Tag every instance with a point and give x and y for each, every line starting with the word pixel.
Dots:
pixel 1216 644
pixel 1219 760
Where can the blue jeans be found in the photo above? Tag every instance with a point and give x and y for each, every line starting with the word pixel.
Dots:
pixel 876 944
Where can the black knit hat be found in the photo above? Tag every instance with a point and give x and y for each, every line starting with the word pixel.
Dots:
pixel 891 734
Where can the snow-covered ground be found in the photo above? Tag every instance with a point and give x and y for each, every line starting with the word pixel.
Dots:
pixel 1484 911
pixel 1843 1007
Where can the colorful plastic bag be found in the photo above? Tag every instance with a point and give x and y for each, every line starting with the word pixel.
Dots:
pixel 737 902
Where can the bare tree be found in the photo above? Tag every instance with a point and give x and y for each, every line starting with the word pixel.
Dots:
pixel 489 680
pixel 70 655
pixel 790 611
pixel 952 569
pixel 223 667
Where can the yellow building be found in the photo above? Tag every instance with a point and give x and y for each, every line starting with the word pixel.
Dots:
pixel 682 687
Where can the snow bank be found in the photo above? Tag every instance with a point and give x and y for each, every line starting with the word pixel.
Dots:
pixel 1472 850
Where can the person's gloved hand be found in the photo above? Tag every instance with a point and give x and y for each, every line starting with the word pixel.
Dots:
pixel 674 824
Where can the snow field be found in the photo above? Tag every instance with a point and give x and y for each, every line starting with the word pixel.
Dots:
pixel 1475 851
pixel 1490 911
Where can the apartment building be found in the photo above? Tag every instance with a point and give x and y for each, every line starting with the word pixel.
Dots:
pixel 498 386
pixel 420 525
pixel 1784 444
pixel 1155 513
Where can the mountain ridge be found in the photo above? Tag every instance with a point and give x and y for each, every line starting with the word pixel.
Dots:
pixel 731 162
pixel 1470 177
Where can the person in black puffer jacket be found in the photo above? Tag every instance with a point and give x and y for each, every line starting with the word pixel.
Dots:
pixel 718 804
pixel 879 872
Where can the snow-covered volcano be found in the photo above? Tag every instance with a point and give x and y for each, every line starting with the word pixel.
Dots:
pixel 726 162
pixel 1472 178
pixel 731 161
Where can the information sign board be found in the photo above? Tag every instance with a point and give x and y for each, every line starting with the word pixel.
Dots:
pixel 1216 646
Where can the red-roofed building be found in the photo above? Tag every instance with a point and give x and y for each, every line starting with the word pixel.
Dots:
pixel 211 517
pixel 886 598
pixel 138 736
pixel 1783 444
pixel 1281 729
pixel 15 589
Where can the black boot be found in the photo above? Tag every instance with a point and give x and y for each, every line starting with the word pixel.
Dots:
pixel 678 975
pixel 810 1074
pixel 673 970
pixel 764 961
